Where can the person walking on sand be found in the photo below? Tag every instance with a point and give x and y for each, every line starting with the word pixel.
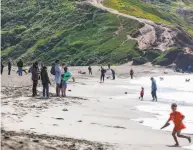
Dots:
pixel 9 67
pixel 141 93
pixel 177 117
pixel 103 71
pixel 153 89
pixel 131 73
pixel 20 67
pixel 90 70
pixel 2 66
pixel 35 77
pixel 57 77
pixel 65 77
pixel 45 82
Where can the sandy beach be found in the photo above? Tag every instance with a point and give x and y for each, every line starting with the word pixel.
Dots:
pixel 93 116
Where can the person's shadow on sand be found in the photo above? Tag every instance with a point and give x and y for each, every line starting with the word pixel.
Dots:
pixel 173 146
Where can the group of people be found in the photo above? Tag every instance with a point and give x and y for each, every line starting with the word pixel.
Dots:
pixel 9 67
pixel 9 64
pixel 61 75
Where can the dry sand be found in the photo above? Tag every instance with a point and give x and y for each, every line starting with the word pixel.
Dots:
pixel 93 116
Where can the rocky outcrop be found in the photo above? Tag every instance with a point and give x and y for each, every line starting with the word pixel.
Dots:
pixel 184 60
pixel 153 35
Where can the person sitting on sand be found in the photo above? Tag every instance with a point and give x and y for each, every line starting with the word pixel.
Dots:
pixel 45 82
pixel 57 77
pixel 35 77
pixel 103 71
pixel 65 77
pixel 141 93
pixel 177 118
pixel 153 89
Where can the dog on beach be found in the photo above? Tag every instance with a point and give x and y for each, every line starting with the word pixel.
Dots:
pixel 161 78
pixel 187 80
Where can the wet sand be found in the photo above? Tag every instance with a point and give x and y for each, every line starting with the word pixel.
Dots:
pixel 92 116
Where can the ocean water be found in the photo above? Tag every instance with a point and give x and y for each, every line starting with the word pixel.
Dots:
pixel 171 89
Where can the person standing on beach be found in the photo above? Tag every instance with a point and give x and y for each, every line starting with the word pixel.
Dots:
pixel 131 73
pixel 177 117
pixel 153 89
pixel 103 71
pixel 90 70
pixel 20 67
pixel 113 74
pixel 9 67
pixel 45 82
pixel 57 77
pixel 35 77
pixel 141 93
pixel 2 66
pixel 65 77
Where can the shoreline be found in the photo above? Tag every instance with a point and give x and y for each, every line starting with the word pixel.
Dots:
pixel 90 110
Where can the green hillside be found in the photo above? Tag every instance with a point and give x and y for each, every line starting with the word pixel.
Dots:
pixel 173 12
pixel 61 29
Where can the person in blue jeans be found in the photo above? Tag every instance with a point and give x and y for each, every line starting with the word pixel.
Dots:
pixel 20 67
pixel 153 89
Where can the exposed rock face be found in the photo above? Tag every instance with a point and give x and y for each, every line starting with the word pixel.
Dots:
pixel 184 60
pixel 153 35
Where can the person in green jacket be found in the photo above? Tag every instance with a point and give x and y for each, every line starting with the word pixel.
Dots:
pixel 65 77
pixel 20 67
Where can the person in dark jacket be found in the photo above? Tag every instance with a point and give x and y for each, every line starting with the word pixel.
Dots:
pixel 153 89
pixel 20 67
pixel 2 66
pixel 103 71
pixel 113 74
pixel 45 82
pixel 9 67
pixel 131 73
pixel 35 77
pixel 90 70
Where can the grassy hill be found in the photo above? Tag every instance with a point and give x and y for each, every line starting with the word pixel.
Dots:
pixel 173 12
pixel 78 33
pixel 61 29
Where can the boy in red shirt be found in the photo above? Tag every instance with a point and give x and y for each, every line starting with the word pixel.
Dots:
pixel 177 118
pixel 141 93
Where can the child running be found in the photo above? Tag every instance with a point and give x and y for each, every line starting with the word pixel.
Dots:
pixel 177 118
pixel 141 93
pixel 65 77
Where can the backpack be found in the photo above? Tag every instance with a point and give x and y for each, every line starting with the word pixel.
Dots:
pixel 53 70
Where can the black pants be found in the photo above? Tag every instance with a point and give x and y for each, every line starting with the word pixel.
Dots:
pixel 102 77
pixel 90 72
pixel 34 88
pixel 154 95
pixel 1 70
pixel 131 76
pixel 9 71
pixel 45 89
